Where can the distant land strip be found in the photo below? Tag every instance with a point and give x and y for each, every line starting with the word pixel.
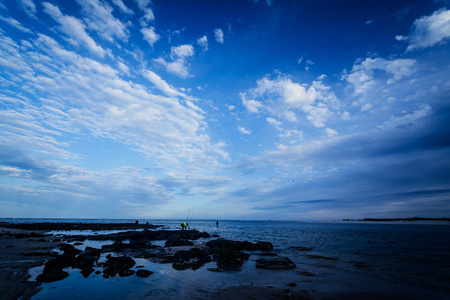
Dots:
pixel 400 219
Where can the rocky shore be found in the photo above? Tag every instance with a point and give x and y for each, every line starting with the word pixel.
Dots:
pixel 29 245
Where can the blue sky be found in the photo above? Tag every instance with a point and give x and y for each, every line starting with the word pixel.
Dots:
pixel 296 110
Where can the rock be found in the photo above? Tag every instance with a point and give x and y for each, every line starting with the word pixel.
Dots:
pixel 116 264
pixel 236 245
pixel 126 273
pixel 58 263
pixel 87 258
pixel 278 263
pixel 87 271
pixel 143 273
pixel 177 241
pixel 264 246
pixel 52 275
pixel 299 248
pixel 229 259
pixel 194 259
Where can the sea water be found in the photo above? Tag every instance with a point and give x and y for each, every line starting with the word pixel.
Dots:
pixel 415 255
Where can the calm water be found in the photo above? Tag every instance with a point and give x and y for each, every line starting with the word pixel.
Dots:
pixel 413 254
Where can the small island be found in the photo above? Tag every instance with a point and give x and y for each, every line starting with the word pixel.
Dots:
pixel 413 219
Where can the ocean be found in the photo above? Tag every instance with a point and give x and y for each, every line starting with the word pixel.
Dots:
pixel 408 255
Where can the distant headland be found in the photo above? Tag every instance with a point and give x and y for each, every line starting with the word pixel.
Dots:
pixel 399 219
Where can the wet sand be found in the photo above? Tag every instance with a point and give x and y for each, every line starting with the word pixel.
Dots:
pixel 25 249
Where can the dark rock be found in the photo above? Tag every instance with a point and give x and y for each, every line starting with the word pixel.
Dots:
pixel 98 272
pixel 236 245
pixel 126 273
pixel 143 273
pixel 116 264
pixel 306 273
pixel 87 271
pixel 173 242
pixel 278 263
pixel 194 259
pixel 52 275
pixel 321 257
pixel 215 269
pixel 87 258
pixel 299 248
pixel 264 246
pixel 229 259
pixel 60 262
pixel 267 254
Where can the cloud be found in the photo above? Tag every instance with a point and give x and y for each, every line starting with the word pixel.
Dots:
pixel 123 8
pixel 182 51
pixel 99 18
pixel 148 17
pixel 203 42
pixel 218 33
pixel 74 28
pixel 163 85
pixel 243 130
pixel 362 77
pixel 82 94
pixel 428 30
pixel 285 99
pixel 178 64
pixel 16 24
pixel 150 35
pixel 29 7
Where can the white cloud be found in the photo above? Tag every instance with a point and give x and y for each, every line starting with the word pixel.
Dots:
pixel 162 84
pixel 178 66
pixel 203 42
pixel 123 8
pixel 283 98
pixel 150 35
pixel 142 4
pixel 428 30
pixel 98 17
pixel 29 7
pixel 84 95
pixel 74 28
pixel 366 107
pixel 16 24
pixel 218 33
pixel 273 121
pixel 124 68
pixel 243 130
pixel 362 76
pixel 182 51
pixel 330 132
pixel 148 17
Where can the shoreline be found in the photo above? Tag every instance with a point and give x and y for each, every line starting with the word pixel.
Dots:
pixel 23 249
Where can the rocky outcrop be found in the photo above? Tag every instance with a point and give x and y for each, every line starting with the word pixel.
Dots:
pixel 121 265
pixel 229 259
pixel 236 245
pixel 277 263
pixel 194 259
pixel 143 273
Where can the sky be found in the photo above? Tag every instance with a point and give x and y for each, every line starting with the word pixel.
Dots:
pixel 256 110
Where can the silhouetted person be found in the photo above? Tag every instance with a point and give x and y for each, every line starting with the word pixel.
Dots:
pixel 217 223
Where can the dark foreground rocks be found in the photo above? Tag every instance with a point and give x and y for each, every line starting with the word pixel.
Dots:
pixel 277 263
pixel 193 258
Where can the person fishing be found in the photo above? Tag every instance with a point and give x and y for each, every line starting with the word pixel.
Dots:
pixel 184 226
